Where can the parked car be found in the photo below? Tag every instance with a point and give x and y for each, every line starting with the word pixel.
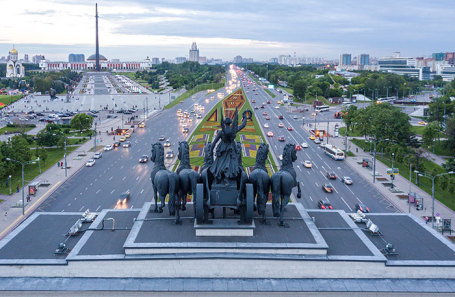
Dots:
pixel 362 207
pixel 90 163
pixel 325 204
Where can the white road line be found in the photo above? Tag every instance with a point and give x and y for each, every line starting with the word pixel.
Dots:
pixel 98 191
pixel 122 167
pixel 81 208
pixel 112 191
pixel 80 193
pixel 346 203
pixel 131 206
pixel 142 191
pixel 316 184
pixel 62 210
pixel 75 198
pixel 326 164
pixel 335 190
pixel 91 184
pixel 299 168
pixel 86 188
pixel 69 204
pixel 99 206
pixel 310 197
pixel 96 179
pixel 110 178
pixel 124 178
pixel 137 177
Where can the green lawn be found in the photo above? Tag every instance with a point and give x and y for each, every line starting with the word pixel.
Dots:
pixel 15 129
pixel 442 195
pixel 289 90
pixel 194 90
pixel 7 99
pixel 32 170
pixel 441 149
pixel 270 93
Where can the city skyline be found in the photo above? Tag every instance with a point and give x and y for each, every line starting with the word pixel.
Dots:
pixel 167 29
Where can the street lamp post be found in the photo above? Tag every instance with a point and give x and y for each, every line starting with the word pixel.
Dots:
pixel 374 162
pixel 433 177
pixel 9 184
pixel 392 177
pixel 346 139
pixel 23 186
pixel 66 173
pixel 94 150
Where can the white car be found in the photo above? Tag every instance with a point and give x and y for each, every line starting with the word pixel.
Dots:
pixel 304 145
pixel 97 155
pixel 295 117
pixel 307 164
pixel 90 163
pixel 266 125
pixel 108 147
pixel 280 125
pixel 277 107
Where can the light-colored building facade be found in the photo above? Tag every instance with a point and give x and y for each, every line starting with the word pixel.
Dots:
pixel 363 60
pixel 14 67
pixel 345 60
pixel 404 66
pixel 194 53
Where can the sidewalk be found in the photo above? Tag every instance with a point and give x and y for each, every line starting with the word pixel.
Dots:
pixel 399 196
pixel 11 207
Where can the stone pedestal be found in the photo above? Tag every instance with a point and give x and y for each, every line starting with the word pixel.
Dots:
pixel 224 227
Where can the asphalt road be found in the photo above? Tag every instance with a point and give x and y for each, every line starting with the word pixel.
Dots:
pixel 99 187
pixel 344 197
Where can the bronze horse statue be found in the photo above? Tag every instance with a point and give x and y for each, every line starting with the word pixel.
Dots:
pixel 260 179
pixel 282 183
pixel 188 178
pixel 164 182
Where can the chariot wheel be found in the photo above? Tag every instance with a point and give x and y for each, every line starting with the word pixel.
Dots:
pixel 249 207
pixel 199 203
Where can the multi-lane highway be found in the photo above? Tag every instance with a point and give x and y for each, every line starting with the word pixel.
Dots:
pixel 119 170
pixel 344 196
pixel 99 187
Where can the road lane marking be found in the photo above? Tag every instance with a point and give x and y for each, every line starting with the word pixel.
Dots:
pixel 142 191
pixel 346 203
pixel 112 191
pixel 310 197
pixel 110 178
pixel 137 177
pixel 80 193
pixel 81 208
pixel 316 184
pixel 99 206
pixel 98 191
pixel 69 204
pixel 75 198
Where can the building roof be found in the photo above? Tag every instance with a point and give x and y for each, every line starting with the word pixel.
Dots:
pixel 93 58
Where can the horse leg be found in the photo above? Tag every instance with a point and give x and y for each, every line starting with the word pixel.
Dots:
pixel 299 193
pixel 156 198
pixel 284 202
pixel 276 197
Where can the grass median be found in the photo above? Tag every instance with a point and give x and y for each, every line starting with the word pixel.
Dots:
pixel 193 91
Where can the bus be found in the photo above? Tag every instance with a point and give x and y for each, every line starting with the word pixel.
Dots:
pixel 385 100
pixel 334 152
pixel 322 108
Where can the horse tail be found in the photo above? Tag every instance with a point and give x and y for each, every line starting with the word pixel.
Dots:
pixel 276 193
pixel 260 196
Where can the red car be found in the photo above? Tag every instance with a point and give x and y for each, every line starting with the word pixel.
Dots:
pixel 298 147
pixel 290 128
pixel 264 113
pixel 253 101
pixel 270 134
pixel 262 106
pixel 268 102
pixel 256 94
pixel 267 118
pixel 280 117
pixel 281 139
pixel 331 175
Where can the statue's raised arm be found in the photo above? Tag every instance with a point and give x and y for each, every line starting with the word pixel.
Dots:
pixel 246 115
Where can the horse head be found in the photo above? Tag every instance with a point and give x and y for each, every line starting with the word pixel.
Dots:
pixel 184 152
pixel 157 153
pixel 289 154
pixel 262 153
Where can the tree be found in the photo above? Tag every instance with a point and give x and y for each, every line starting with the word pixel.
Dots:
pixel 42 154
pixel 300 88
pixel 49 136
pixel 81 122
pixel 349 116
pixel 429 133
pixel 450 131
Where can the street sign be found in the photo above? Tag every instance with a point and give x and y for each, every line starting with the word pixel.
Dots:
pixel 389 171
pixel 393 171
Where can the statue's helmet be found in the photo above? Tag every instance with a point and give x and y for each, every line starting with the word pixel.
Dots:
pixel 228 121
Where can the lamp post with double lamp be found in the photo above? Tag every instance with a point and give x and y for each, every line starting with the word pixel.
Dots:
pixel 433 177
pixel 23 187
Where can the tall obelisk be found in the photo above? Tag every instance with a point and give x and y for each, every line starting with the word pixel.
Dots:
pixel 97 54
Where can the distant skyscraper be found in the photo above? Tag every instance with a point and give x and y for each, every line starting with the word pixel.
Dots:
pixel 155 60
pixel 194 53
pixel 363 60
pixel 274 60
pixel 26 58
pixel 345 59
pixel 450 58
pixel 203 60
pixel 38 58
pixel 237 59
pixel 73 58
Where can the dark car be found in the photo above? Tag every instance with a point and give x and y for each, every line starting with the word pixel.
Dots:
pixel 162 138
pixel 143 159
pixel 124 197
pixel 280 117
pixel 186 130
pixel 40 114
pixel 331 175
pixel 362 207
pixel 116 144
pixel 324 204
pixel 327 188
pixel 281 139
pixel 262 106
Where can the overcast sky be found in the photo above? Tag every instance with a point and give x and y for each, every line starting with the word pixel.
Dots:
pixel 134 29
